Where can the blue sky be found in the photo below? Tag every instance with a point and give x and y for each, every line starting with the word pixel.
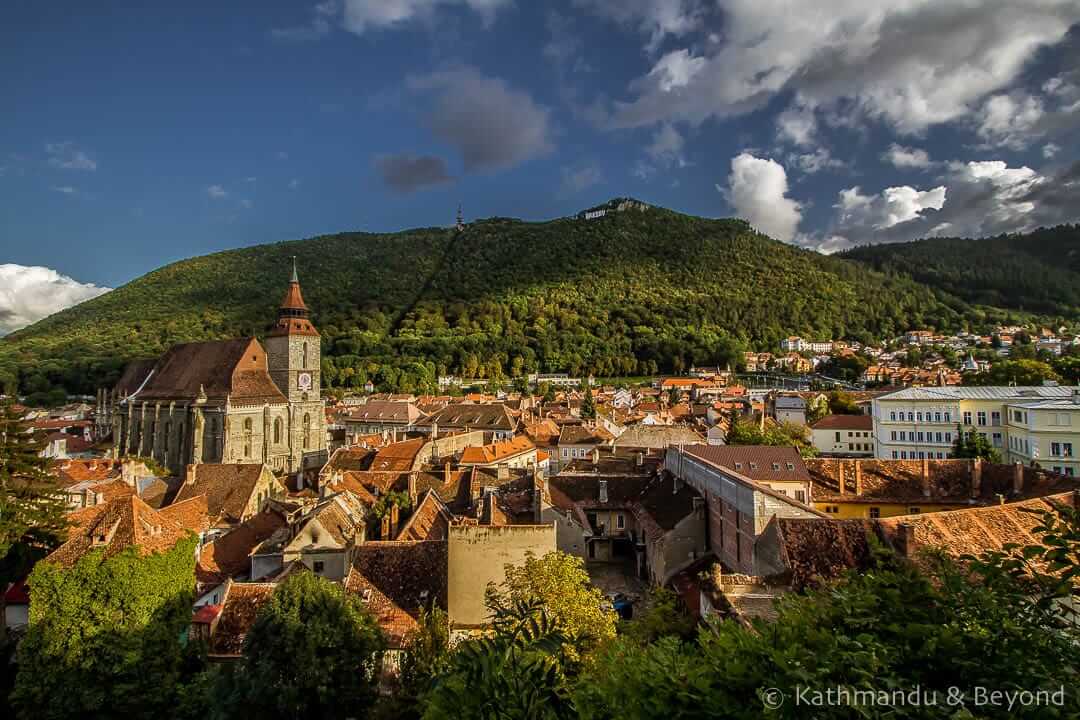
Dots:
pixel 133 136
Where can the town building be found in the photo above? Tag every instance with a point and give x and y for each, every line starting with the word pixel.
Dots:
pixel 1039 424
pixel 844 435
pixel 228 401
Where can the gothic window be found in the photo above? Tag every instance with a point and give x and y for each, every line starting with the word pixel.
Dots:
pixel 277 430
pixel 247 437
pixel 168 437
pixel 305 363
pixel 307 431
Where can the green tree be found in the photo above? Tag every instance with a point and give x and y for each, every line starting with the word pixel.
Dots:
pixel 843 403
pixel 588 403
pixel 559 581
pixel 1013 372
pixel 548 392
pixel 972 444
pixel 314 652
pixel 105 635
pixel 32 509
pixel 665 617
pixel 523 669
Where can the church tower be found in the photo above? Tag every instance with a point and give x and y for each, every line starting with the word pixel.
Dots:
pixel 293 360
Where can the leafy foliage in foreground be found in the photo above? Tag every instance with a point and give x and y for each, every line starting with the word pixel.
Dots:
pixel 105 635
pixel 632 293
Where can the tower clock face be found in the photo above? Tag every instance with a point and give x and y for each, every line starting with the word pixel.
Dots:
pixel 303 381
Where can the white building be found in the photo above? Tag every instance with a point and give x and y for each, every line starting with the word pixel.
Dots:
pixel 1038 424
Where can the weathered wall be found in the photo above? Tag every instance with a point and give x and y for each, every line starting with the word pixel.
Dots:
pixel 477 555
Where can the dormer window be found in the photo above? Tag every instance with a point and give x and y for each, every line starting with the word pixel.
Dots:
pixel 738 466
pixel 791 466
pixel 753 466
pixel 776 466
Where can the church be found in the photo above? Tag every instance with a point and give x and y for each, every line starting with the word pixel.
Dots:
pixel 227 401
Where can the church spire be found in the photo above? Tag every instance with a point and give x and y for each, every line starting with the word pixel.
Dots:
pixel 292 305
pixel 295 278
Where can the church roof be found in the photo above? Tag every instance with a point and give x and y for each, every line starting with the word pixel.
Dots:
pixel 218 368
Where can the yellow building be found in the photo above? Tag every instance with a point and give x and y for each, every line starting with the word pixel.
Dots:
pixel 1038 424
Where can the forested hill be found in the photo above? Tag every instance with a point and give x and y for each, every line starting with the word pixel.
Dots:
pixel 1038 272
pixel 631 293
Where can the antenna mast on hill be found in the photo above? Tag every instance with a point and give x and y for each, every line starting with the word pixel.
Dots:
pixel 460 225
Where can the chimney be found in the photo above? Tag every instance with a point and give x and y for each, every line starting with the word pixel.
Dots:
pixel 976 477
pixel 594 456
pixel 395 514
pixel 858 482
pixel 412 488
pixel 189 474
pixel 539 490
pixel 435 430
pixel 1018 479
pixel 503 472
pixel 925 477
pixel 384 527
pixel 127 472
pixel 905 539
pixel 840 474
pixel 603 491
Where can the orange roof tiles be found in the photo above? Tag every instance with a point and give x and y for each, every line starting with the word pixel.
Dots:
pixel 487 454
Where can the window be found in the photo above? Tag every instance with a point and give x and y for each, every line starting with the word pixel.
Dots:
pixel 753 466
pixel 304 364
pixel 895 455
pixel 967 417
pixel 1055 449
pixel 995 418
pixel 903 454
pixel 277 430
pixel 937 416
pixel 918 416
pixel 981 417
pixel 875 512
pixel 911 417
pixel 800 495
pixel 948 437
pixel 307 431
pixel 892 416
pixel 913 511
pixel 937 437
pixel 837 437
pixel 776 466
pixel 892 435
pixel 997 440
pixel 1069 471
pixel 318 566
pixel 832 509
pixel 620 522
pixel 920 436
pixel 1066 449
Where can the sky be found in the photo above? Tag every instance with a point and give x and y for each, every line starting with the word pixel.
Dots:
pixel 131 137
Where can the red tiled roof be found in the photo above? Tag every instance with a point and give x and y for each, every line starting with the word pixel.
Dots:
pixel 396 580
pixel 845 422
pixel 221 367
pixel 761 463
pixel 229 555
pixel 115 526
pixel 487 454
pixel 397 456
pixel 238 613
pixel 228 488
pixel 430 520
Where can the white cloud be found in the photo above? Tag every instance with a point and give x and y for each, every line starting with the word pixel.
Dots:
pixel 1009 120
pixel 363 15
pixel 902 157
pixel 578 179
pixel 797 125
pixel 980 198
pixel 816 161
pixel 657 18
pixel 217 192
pixel 321 22
pixel 757 190
pixel 1050 150
pixel 893 206
pixel 29 293
pixel 66 156
pixel 913 63
pixel 492 125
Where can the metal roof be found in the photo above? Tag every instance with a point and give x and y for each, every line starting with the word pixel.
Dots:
pixel 979 392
